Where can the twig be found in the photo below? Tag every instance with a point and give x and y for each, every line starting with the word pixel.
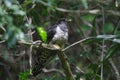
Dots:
pixel 29 21
pixel 116 27
pixel 25 43
pixel 2 41
pixel 30 59
pixel 115 69
pixel 102 57
pixel 78 69
pixel 103 43
pixel 53 70
pixel 116 3
pixel 77 43
pixel 95 11
pixel 20 55
pixel 3 28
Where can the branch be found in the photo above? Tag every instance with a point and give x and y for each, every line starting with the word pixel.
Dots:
pixel 2 41
pixel 65 65
pixel 115 69
pixel 95 11
pixel 77 43
pixel 53 70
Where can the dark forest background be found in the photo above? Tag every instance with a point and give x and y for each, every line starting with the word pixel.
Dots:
pixel 95 23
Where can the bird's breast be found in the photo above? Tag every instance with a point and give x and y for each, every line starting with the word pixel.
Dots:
pixel 60 36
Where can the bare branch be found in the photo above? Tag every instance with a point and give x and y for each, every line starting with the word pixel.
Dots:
pixel 30 59
pixel 103 44
pixel 3 28
pixel 53 70
pixel 95 11
pixel 2 41
pixel 77 43
pixel 115 69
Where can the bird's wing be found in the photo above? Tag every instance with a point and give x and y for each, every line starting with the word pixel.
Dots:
pixel 51 32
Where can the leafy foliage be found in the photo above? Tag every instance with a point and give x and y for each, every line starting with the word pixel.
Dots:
pixel 42 34
pixel 24 75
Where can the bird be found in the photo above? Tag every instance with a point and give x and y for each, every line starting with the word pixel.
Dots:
pixel 56 35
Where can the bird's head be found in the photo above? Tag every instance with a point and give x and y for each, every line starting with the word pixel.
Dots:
pixel 62 23
pixel 58 33
pixel 63 20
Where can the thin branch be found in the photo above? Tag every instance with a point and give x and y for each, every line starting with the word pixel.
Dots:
pixel 30 59
pixel 102 57
pixel 38 42
pixel 116 27
pixel 53 70
pixel 25 43
pixel 95 11
pixel 2 41
pixel 78 69
pixel 3 28
pixel 29 21
pixel 20 55
pixel 77 43
pixel 115 69
pixel 103 44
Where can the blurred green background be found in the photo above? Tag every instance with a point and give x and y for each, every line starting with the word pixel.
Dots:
pixel 96 21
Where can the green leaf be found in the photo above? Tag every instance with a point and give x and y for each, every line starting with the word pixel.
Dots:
pixel 12 35
pixel 85 3
pixel 88 17
pixel 85 27
pixel 108 28
pixel 17 10
pixel 8 3
pixel 117 33
pixel 42 33
pixel 112 50
pixel 24 75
